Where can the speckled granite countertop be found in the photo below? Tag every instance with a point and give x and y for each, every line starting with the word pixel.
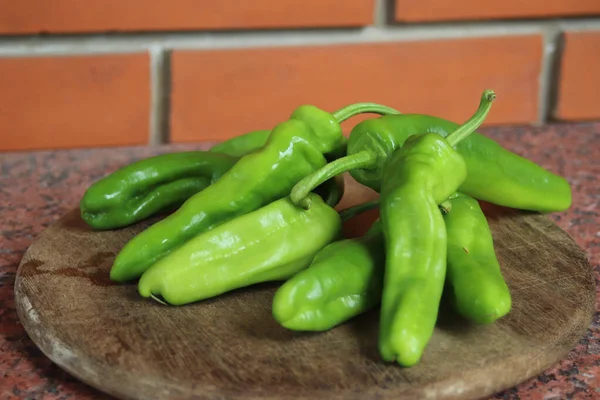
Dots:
pixel 37 188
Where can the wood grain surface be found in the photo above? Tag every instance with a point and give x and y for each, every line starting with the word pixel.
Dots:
pixel 231 347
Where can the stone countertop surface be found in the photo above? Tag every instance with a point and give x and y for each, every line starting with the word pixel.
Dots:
pixel 38 187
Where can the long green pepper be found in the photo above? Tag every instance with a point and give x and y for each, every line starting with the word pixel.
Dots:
pixel 294 149
pixel 149 186
pixel 156 184
pixel 416 178
pixel 475 282
pixel 269 244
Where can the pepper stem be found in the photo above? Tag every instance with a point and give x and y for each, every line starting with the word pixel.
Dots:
pixel 353 211
pixel 475 121
pixel 300 191
pixel 362 108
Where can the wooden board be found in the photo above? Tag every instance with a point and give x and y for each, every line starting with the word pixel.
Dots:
pixel 231 347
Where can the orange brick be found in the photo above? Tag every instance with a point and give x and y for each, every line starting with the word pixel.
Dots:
pixel 218 94
pixel 579 85
pixel 442 10
pixel 69 16
pixel 58 102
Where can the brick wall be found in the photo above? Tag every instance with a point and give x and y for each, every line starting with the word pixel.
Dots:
pixel 115 72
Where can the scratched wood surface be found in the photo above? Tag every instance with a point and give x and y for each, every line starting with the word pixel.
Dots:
pixel 230 346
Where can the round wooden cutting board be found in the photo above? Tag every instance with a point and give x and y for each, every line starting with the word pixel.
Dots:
pixel 231 347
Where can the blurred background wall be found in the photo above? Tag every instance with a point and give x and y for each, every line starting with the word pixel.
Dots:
pixel 90 73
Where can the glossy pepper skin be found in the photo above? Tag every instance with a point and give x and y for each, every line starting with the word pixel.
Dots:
pixel 269 244
pixel 416 179
pixel 241 145
pixel 146 187
pixel 479 291
pixel 344 280
pixel 294 149
pixel 517 182
pixel 156 184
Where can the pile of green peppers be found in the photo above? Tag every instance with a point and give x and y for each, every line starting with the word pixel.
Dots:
pixel 261 207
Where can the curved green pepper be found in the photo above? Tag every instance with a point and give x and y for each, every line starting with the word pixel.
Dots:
pixel 478 289
pixel 344 280
pixel 269 244
pixel 294 149
pixel 495 174
pixel 423 173
pixel 147 187
pixel 143 188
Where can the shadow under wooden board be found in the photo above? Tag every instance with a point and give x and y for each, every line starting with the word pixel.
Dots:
pixel 231 347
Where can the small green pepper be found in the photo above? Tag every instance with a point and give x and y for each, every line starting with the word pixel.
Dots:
pixel 294 149
pixel 160 183
pixel 269 244
pixel 146 187
pixel 474 277
pixel 344 280
pixel 416 178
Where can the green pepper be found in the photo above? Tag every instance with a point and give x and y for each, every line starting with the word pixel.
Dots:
pixel 478 289
pixel 241 145
pixel 146 187
pixel 270 244
pixel 294 149
pixel 517 182
pixel 344 280
pixel 423 173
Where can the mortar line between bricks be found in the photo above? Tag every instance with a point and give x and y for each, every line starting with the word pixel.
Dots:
pixel 159 95
pixel 380 12
pixel 131 43
pixel 547 90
